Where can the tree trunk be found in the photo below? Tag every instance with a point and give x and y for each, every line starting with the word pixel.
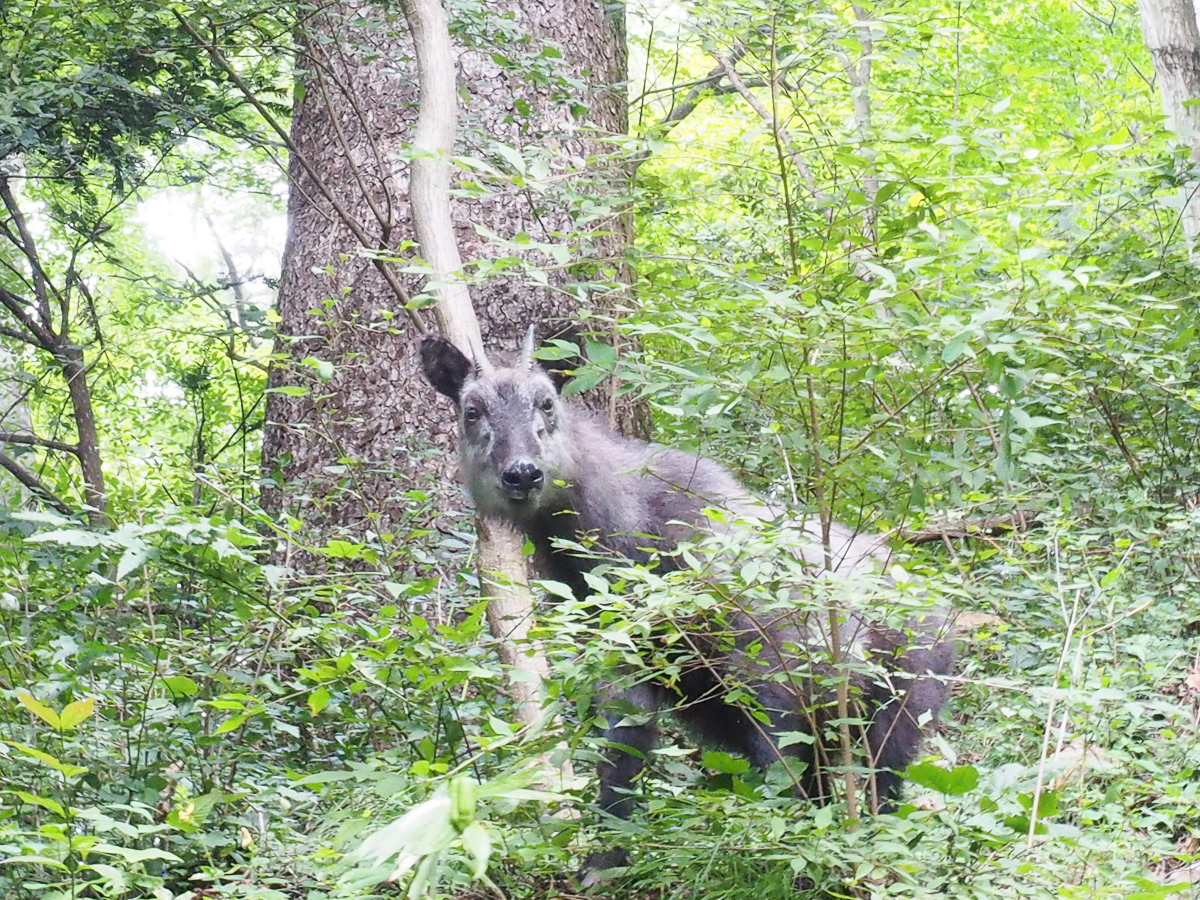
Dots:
pixel 343 444
pixel 70 360
pixel 1171 34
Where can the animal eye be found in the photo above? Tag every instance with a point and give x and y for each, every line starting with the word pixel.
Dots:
pixel 471 414
pixel 547 405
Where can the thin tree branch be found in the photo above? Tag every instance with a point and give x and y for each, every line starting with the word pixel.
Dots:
pixel 785 139
pixel 42 287
pixel 297 154
pixel 46 339
pixel 33 484
pixel 688 104
pixel 995 526
pixel 19 336
pixel 235 285
pixel 1114 428
pixel 11 437
pixel 385 226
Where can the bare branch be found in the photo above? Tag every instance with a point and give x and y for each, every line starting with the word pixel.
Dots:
pixel 235 285
pixel 19 336
pixel 995 526
pixel 385 226
pixel 685 107
pixel 763 113
pixel 1114 428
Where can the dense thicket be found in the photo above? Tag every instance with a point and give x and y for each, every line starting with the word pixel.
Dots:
pixel 916 266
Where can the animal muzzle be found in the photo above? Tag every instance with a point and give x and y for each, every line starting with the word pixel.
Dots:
pixel 521 479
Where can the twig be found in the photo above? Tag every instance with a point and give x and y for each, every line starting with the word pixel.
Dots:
pixel 42 287
pixel 297 154
pixel 784 138
pixel 688 104
pixel 994 526
pixel 45 338
pixel 1114 428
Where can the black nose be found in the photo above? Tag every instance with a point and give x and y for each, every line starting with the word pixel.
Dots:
pixel 522 476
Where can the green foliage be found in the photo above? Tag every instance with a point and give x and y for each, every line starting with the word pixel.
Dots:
pixel 974 303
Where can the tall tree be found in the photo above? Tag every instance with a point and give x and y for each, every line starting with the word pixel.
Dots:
pixel 350 421
pixel 1173 39
pixel 97 102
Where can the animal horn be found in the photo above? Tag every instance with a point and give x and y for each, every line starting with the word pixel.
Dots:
pixel 527 350
pixel 480 365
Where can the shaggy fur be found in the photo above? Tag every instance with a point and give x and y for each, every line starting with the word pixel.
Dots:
pixel 550 468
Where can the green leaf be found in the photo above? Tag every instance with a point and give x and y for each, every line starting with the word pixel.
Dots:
pixel 232 723
pixel 132 559
pixel 35 861
pixel 76 712
pixel 325 777
pixel 338 549
pixel 134 855
pixel 181 686
pixel 556 589
pixel 71 537
pixel 787 738
pixel 70 771
pixel 512 157
pixel 317 701
pixel 423 830
pixel 324 367
pixel 45 802
pixel 478 844
pixel 462 801
pixel 601 354
pixel 958 780
pixel 586 378
pixel 724 763
pixel 956 348
pixel 39 709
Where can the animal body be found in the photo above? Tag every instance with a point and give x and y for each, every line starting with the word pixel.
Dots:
pixel 550 468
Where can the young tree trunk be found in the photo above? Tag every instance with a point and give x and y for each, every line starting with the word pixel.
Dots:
pixel 43 320
pixel 70 360
pixel 351 424
pixel 1172 35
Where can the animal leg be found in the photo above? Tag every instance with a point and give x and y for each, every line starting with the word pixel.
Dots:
pixel 625 758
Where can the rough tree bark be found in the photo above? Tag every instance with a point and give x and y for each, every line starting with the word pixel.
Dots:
pixel 1172 35
pixel 340 456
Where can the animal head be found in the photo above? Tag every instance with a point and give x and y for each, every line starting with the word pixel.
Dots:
pixel 514 429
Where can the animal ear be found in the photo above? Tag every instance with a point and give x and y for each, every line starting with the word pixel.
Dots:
pixel 445 367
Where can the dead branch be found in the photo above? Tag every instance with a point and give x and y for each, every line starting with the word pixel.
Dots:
pixel 996 526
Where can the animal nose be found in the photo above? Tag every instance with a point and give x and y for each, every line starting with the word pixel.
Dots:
pixel 523 476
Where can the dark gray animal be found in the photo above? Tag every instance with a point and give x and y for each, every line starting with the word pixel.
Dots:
pixel 550 468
